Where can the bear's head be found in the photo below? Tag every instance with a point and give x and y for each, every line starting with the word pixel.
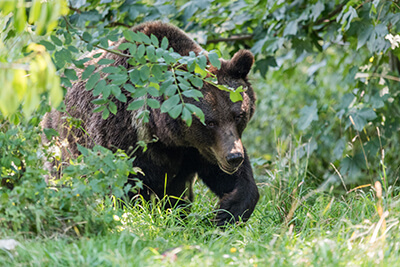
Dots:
pixel 219 140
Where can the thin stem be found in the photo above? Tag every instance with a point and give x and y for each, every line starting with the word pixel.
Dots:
pixel 177 86
pixel 97 46
pixel 390 77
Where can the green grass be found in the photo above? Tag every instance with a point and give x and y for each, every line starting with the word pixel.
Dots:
pixel 325 229
pixel 299 221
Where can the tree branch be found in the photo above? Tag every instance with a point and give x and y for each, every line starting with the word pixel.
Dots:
pixel 75 9
pixel 330 15
pixel 97 46
pixel 110 25
pixel 233 38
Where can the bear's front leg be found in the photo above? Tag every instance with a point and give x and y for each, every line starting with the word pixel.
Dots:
pixel 238 192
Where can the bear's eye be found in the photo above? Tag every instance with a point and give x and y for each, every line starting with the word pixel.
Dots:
pixel 211 124
pixel 239 117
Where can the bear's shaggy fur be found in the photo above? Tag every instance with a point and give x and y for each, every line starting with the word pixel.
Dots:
pixel 214 152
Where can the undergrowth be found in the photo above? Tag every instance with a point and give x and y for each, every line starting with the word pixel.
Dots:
pixel 296 222
pixel 77 220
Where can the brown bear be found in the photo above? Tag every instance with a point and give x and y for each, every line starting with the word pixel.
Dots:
pixel 213 151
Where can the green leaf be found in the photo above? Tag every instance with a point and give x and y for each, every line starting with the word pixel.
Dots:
pixel 99 101
pixel 154 40
pixel 150 52
pixel 112 107
pixel 157 72
pixel 153 103
pixel 187 116
pixel 339 148
pixel 106 114
pixel 63 56
pixel 86 36
pixel 70 74
pixel 214 59
pixel 351 166
pixel 125 46
pixel 121 98
pixel 200 71
pixel 347 18
pixel 115 90
pixel 175 111
pixel 80 63
pixel 171 90
pixel 104 42
pixel 202 62
pixel 317 10
pixel 144 114
pixel 364 33
pixel 105 61
pixel 235 96
pixel 347 101
pixel 164 43
pixel 134 76
pixel 144 38
pixel 196 94
pixel 49 46
pixel 88 71
pixel 140 51
pixel 20 17
pixel 97 55
pixel 291 28
pixel 264 64
pixel 83 150
pixel 92 81
pixel 130 36
pixel 144 73
pixel 73 49
pixel 196 111
pixel 118 79
pixel 139 92
pixel 129 87
pixel 56 40
pixel 106 91
pixel 135 105
pixel 196 81
pixel 99 88
pixel 111 69
pixel 361 117
pixel 153 91
pixel 308 114
pixel 170 103
pixel 49 132
pixel 99 109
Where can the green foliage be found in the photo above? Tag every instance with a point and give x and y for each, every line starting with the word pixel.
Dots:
pixel 79 203
pixel 327 79
pixel 353 40
pixel 42 14
pixel 325 229
pixel 27 70
pixel 333 68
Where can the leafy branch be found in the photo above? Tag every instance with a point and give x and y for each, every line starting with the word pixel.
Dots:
pixel 70 26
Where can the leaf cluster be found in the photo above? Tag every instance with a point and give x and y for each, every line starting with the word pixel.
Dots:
pixel 81 202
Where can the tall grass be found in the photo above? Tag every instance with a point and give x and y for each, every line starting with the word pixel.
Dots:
pixel 296 222
pixel 301 219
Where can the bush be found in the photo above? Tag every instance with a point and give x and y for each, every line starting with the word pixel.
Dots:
pixel 83 201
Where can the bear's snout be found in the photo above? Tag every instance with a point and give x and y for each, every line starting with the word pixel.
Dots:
pixel 235 159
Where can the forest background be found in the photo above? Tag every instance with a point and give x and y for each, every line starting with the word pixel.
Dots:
pixel 322 142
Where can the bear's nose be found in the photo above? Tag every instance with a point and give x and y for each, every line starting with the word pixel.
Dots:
pixel 235 159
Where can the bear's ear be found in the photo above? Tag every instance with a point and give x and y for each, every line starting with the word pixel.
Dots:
pixel 240 65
